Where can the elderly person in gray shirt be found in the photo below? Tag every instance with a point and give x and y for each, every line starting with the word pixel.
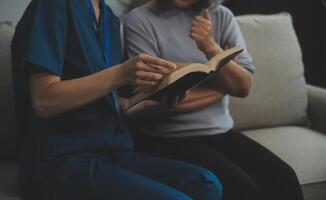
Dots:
pixel 199 128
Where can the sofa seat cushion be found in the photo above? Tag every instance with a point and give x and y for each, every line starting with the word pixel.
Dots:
pixel 279 95
pixel 9 181
pixel 303 149
pixel 315 191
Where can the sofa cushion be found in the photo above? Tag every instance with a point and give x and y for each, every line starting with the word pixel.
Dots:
pixel 121 8
pixel 301 148
pixel 7 127
pixel 279 95
pixel 315 191
pixel 9 181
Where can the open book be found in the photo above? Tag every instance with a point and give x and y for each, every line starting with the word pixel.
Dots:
pixel 185 77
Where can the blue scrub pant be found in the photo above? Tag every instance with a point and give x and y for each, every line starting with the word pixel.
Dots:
pixel 128 176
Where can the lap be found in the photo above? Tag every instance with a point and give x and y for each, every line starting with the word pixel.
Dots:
pixel 246 153
pixel 250 157
pixel 239 162
pixel 232 176
pixel 137 176
pixel 154 167
pixel 123 184
pixel 182 176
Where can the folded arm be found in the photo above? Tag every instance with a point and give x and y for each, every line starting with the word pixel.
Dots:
pixel 232 79
pixel 199 98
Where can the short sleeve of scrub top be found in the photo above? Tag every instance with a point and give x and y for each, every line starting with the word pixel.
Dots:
pixel 47 35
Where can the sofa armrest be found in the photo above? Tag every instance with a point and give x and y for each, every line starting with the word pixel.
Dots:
pixel 317 108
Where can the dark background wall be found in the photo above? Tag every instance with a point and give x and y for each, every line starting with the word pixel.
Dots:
pixel 310 23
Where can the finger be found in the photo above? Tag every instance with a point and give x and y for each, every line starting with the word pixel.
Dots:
pixel 198 36
pixel 145 83
pixel 198 31
pixel 148 76
pixel 157 61
pixel 160 69
pixel 195 37
pixel 201 27
pixel 170 101
pixel 226 47
pixel 202 21
pixel 173 103
pixel 153 68
pixel 184 94
pixel 182 97
pixel 205 14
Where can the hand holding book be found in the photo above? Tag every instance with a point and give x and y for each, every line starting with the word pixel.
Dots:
pixel 184 78
pixel 143 71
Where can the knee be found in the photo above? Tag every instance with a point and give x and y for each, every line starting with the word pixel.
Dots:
pixel 290 172
pixel 180 197
pixel 214 183
pixel 248 190
pixel 286 172
pixel 210 185
pixel 173 196
pixel 200 183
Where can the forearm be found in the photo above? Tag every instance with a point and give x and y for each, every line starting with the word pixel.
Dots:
pixel 234 80
pixel 62 96
pixel 199 98
pixel 50 95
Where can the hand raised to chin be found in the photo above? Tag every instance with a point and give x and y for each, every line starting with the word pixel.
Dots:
pixel 202 34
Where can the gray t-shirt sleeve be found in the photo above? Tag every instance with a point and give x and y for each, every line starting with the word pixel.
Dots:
pixel 231 35
pixel 138 36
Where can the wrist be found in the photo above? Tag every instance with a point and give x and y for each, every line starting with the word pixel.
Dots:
pixel 213 50
pixel 119 78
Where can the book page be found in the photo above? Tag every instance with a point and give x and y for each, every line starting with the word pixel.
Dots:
pixel 181 65
pixel 181 71
pixel 223 58
pixel 196 67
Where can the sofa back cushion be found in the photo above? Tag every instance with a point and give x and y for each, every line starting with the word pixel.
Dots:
pixel 7 116
pixel 122 7
pixel 279 95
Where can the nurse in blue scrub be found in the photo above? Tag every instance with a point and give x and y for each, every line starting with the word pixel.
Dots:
pixel 73 144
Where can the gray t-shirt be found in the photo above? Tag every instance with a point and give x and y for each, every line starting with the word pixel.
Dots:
pixel 165 34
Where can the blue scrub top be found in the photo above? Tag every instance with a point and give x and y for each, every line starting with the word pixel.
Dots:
pixel 58 36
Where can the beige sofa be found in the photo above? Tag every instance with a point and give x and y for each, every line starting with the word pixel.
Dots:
pixel 282 112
